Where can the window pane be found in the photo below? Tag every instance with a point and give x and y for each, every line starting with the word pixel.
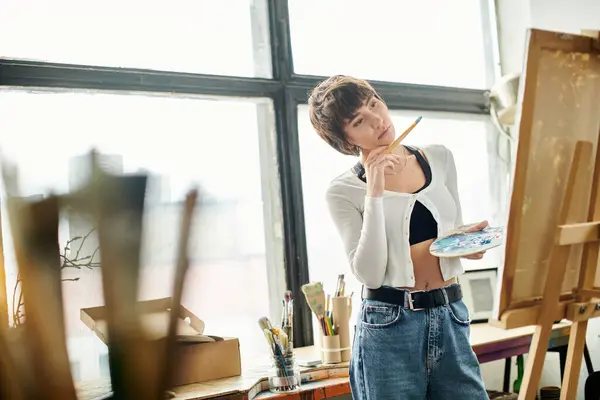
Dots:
pixel 234 249
pixel 225 37
pixel 465 135
pixel 433 42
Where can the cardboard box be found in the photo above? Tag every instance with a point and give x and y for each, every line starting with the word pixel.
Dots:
pixel 200 357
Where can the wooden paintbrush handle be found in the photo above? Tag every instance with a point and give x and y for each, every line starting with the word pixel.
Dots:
pixel 396 142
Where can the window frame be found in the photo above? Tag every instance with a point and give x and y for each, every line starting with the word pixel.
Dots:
pixel 287 90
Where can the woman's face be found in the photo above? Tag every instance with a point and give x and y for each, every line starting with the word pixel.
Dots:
pixel 371 126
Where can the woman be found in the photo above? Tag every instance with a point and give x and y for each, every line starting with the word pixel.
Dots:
pixel 412 334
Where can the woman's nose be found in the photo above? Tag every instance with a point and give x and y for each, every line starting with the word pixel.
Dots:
pixel 376 120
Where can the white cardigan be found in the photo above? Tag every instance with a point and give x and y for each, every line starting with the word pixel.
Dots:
pixel 375 230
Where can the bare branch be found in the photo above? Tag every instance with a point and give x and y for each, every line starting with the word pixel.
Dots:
pixel 66 262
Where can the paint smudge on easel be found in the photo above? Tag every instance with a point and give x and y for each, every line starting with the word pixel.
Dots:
pixel 526 205
pixel 558 161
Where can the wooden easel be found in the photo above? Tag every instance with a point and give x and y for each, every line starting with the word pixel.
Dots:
pixel 569 233
pixel 553 232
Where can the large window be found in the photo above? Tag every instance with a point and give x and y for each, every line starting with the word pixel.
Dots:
pixel 225 37
pixel 143 99
pixel 228 280
pixel 433 42
pixel 465 135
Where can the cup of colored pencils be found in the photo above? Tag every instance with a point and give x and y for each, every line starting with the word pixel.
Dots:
pixel 330 341
pixel 321 306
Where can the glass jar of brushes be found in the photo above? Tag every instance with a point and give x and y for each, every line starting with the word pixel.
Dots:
pixel 284 373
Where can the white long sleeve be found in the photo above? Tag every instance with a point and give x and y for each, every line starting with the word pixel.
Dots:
pixel 363 235
pixel 375 231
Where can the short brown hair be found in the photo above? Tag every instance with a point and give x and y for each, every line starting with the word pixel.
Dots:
pixel 332 103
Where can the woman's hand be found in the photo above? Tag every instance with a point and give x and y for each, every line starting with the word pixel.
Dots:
pixel 377 165
pixel 474 228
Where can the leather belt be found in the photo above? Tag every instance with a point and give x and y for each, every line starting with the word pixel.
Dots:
pixel 415 300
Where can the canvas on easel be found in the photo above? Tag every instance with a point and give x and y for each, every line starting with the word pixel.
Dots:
pixel 551 236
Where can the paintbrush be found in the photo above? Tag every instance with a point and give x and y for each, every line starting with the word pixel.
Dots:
pixel 35 228
pixel 181 269
pixel 396 142
pixel 337 285
pixel 264 323
pixel 283 337
pixel 315 297
pixel 270 340
pixel 291 320
pixel 286 320
pixel 400 138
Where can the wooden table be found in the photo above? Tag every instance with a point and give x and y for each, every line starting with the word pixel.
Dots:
pixel 489 343
pixel 492 344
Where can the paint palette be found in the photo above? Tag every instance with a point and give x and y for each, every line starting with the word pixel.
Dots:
pixel 459 244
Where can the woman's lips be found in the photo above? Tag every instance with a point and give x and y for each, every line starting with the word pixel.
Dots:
pixel 385 131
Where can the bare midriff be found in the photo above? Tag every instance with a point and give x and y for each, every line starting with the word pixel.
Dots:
pixel 427 271
pixel 428 274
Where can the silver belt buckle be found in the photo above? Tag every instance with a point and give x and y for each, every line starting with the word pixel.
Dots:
pixel 411 306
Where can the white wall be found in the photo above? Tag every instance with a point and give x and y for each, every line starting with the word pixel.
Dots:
pixel 569 16
pixel 514 18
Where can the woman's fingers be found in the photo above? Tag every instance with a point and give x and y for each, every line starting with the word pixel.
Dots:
pixel 374 155
pixel 477 227
pixel 476 256
pixel 397 158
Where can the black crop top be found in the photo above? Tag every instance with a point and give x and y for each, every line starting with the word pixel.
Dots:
pixel 422 224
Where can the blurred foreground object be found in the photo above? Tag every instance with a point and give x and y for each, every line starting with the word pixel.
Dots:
pixel 34 363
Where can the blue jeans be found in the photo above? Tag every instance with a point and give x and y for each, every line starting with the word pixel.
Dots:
pixel 414 355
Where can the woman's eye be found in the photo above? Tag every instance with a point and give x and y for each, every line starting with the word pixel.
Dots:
pixel 358 122
pixel 373 104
